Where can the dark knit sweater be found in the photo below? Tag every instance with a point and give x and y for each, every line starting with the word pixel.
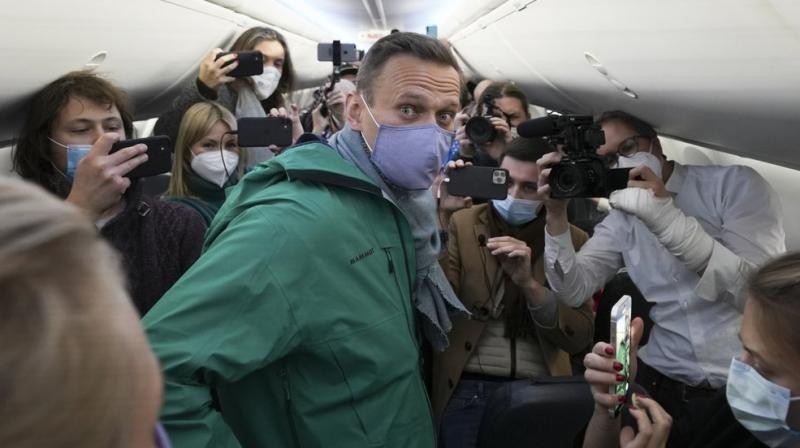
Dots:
pixel 158 242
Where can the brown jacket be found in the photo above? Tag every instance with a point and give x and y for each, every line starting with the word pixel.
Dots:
pixel 465 268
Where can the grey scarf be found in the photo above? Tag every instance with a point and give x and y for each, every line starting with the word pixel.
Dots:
pixel 248 105
pixel 433 296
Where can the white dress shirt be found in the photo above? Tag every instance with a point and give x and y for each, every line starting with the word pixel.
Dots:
pixel 696 317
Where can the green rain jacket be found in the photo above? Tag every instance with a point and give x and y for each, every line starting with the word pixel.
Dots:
pixel 295 327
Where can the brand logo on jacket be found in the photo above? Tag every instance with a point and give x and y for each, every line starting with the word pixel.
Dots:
pixel 362 256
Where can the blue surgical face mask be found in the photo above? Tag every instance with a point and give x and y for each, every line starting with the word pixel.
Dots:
pixel 761 406
pixel 516 211
pixel 409 157
pixel 75 153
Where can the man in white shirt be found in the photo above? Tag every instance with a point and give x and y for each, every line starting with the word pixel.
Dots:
pixel 689 236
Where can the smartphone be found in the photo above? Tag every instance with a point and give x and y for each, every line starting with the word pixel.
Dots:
pixel 617 179
pixel 264 131
pixel 159 156
pixel 621 341
pixel 250 63
pixel 482 182
pixel 347 52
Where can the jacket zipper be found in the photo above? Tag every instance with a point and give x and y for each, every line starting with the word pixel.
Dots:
pixel 406 306
pixel 391 261
pixel 411 326
pixel 284 374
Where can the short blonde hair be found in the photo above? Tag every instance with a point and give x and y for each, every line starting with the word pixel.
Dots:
pixel 195 124
pixel 775 288
pixel 69 365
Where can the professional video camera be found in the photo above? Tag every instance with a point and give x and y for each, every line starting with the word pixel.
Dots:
pixel 581 173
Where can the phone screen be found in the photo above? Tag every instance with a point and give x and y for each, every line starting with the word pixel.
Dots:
pixel 621 340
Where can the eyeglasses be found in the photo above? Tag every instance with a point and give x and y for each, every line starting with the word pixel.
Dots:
pixel 630 145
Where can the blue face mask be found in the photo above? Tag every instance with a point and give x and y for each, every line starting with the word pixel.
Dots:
pixel 161 438
pixel 409 157
pixel 516 211
pixel 761 406
pixel 75 153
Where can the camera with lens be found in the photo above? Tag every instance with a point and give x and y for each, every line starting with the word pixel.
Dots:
pixel 480 129
pixel 581 173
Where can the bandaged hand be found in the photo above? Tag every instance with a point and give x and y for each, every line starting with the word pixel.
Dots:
pixel 681 235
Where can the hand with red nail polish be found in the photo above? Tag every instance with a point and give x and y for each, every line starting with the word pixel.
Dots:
pixel 603 370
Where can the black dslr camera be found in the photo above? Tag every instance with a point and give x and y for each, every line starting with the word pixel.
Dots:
pixel 480 129
pixel 581 173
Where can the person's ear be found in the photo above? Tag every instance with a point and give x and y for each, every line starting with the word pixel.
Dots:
pixel 354 109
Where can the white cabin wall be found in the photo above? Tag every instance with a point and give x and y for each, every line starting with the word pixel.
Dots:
pixel 719 72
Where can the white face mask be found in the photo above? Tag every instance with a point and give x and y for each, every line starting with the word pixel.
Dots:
pixel 212 165
pixel 761 406
pixel 516 211
pixel 639 159
pixel 267 82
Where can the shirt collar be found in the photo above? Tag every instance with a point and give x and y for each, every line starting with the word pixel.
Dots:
pixel 676 179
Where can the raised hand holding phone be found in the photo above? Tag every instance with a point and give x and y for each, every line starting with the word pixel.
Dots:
pixel 100 178
pixel 159 155
pixel 248 63
pixel 215 69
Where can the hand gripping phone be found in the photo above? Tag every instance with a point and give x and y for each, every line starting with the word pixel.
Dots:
pixel 480 182
pixel 250 63
pixel 159 155
pixel 621 341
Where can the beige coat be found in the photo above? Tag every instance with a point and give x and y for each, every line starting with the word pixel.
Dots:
pixel 465 269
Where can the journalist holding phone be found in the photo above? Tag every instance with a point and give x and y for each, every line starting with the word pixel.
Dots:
pixel 64 146
pixel 254 92
pixel 758 408
pixel 517 329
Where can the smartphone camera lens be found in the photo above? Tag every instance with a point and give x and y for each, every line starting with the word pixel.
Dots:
pixel 499 177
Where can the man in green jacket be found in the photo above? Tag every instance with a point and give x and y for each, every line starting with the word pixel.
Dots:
pixel 296 327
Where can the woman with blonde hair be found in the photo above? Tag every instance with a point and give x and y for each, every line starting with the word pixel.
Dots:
pixel 207 159
pixel 76 367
